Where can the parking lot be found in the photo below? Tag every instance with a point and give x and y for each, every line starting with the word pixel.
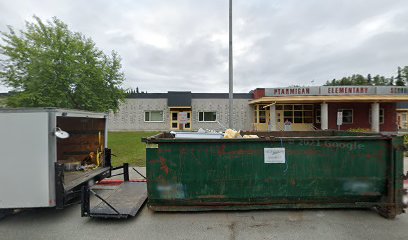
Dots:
pixel 303 224
pixel 273 224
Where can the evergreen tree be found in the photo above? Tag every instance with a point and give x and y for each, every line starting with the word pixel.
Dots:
pixel 391 81
pixel 399 81
pixel 369 80
pixel 404 74
pixel 377 80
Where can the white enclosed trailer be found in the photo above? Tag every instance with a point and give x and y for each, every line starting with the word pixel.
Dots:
pixel 33 159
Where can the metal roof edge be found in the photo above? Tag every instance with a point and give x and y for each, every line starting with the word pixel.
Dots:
pixel 193 95
pixel 51 109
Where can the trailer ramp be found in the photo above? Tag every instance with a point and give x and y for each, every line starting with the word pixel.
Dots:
pixel 124 202
pixel 121 200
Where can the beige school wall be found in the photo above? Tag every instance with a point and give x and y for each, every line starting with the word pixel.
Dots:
pixel 130 116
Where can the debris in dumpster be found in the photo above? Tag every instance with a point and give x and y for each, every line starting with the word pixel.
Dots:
pixel 211 134
pixel 250 136
pixel 230 133
pixel 197 135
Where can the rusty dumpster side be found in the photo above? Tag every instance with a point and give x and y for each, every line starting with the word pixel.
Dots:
pixel 319 170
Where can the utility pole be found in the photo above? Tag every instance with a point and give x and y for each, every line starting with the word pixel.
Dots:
pixel 231 82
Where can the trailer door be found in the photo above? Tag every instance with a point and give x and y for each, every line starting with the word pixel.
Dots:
pixel 24 158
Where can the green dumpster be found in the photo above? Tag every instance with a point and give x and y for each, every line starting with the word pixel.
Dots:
pixel 319 169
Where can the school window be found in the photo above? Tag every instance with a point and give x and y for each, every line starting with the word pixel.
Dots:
pixel 297 113
pixel 188 125
pixel 347 115
pixel 174 120
pixel 207 116
pixel 260 114
pixel 381 116
pixel 318 116
pixel 404 120
pixel 174 116
pixel 154 116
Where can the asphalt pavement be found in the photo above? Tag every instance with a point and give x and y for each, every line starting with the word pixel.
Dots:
pixel 273 224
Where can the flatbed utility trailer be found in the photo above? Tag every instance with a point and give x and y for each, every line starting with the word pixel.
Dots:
pixel 49 155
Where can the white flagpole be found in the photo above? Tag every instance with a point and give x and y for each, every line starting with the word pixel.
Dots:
pixel 231 86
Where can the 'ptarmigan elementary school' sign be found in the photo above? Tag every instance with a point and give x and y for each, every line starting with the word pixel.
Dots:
pixel 336 90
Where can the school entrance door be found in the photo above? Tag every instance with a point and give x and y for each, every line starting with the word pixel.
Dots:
pixel 180 119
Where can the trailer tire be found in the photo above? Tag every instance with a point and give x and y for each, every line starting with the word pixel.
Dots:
pixel 5 212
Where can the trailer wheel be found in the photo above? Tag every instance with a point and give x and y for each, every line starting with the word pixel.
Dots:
pixel 5 212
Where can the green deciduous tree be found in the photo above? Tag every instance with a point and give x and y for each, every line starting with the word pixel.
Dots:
pixel 47 65
pixel 379 80
pixel 358 79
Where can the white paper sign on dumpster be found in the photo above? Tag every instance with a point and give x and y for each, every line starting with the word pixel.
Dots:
pixel 182 117
pixel 274 155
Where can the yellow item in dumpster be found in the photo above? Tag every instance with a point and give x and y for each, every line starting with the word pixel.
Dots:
pixel 230 133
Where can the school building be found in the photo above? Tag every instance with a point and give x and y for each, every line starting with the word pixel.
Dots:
pixel 375 108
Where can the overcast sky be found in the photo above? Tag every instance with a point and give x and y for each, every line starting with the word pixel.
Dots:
pixel 183 44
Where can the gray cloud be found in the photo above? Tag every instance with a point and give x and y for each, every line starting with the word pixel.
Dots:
pixel 183 44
